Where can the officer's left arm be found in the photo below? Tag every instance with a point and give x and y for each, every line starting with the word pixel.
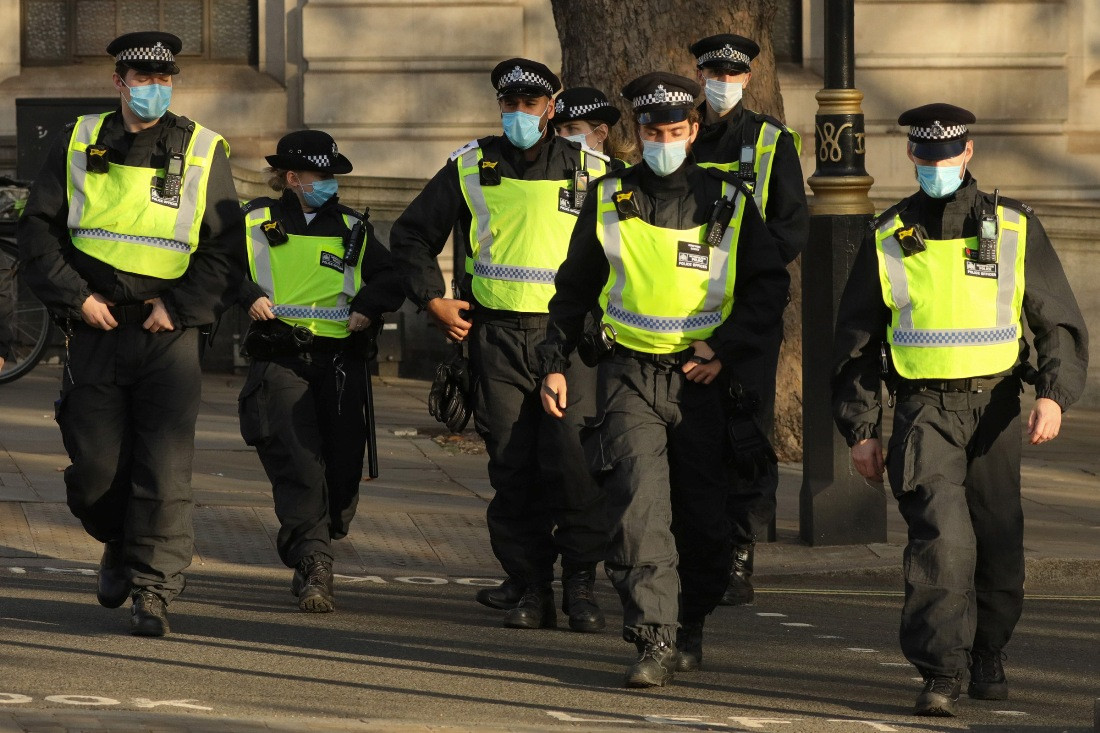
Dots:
pixel 759 293
pixel 788 215
pixel 1052 313
pixel 212 280
pixel 382 290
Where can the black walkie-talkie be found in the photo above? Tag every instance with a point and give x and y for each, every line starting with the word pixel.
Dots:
pixel 719 219
pixel 747 163
pixel 987 232
pixel 173 175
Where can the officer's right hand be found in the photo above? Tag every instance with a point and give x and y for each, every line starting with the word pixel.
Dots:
pixel 260 310
pixel 553 393
pixel 97 314
pixel 447 315
pixel 867 458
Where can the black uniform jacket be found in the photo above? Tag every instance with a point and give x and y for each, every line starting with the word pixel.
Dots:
pixel 1050 310
pixel 420 232
pixel 63 277
pixel 681 200
pixel 788 216
pixel 381 289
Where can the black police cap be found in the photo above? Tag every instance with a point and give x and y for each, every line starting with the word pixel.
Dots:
pixel 524 77
pixel 309 150
pixel 584 103
pixel 661 97
pixel 727 51
pixel 937 131
pixel 149 51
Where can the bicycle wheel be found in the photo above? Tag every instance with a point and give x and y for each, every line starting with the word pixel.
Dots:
pixel 28 326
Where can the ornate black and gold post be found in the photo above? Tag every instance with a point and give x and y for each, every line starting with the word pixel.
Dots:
pixel 837 507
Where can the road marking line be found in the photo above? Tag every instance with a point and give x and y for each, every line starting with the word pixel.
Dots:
pixel 827 636
pixel 861 650
pixel 795 623
pixel 894 664
pixel 1017 713
pixel 772 615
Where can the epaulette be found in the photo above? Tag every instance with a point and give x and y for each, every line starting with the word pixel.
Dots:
pixel 468 146
pixel 348 211
pixel 727 177
pixel 1017 205
pixel 263 202
pixel 895 210
pixel 761 117
pixel 595 153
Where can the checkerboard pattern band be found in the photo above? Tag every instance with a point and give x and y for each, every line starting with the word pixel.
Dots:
pixel 580 110
pixel 955 337
pixel 660 95
pixel 936 131
pixel 159 52
pixel 726 52
pixel 518 76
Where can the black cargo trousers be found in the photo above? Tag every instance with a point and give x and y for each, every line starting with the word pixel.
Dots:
pixel 306 416
pixel 545 502
pixel 954 465
pixel 658 448
pixel 127 411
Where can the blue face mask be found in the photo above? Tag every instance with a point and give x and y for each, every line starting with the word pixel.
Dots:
pixel 323 190
pixel 521 128
pixel 664 158
pixel 723 96
pixel 581 139
pixel 149 101
pixel 939 181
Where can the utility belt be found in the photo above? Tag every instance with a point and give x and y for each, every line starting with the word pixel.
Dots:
pixel 969 384
pixel 131 312
pixel 674 360
pixel 510 319
pixel 275 339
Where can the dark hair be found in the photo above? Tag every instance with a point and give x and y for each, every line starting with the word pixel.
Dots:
pixel 121 68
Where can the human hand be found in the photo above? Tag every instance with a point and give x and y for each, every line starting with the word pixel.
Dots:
pixel 447 315
pixel 554 394
pixel 260 310
pixel 158 320
pixel 868 460
pixel 96 312
pixel 1044 422
pixel 703 367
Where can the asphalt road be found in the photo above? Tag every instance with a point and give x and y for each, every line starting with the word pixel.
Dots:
pixel 421 651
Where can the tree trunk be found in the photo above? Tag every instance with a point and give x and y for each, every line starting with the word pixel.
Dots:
pixel 652 35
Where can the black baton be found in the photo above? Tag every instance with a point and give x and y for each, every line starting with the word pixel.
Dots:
pixel 372 442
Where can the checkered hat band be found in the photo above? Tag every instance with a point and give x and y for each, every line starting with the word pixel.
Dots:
pixel 323 161
pixel 937 132
pixel 529 78
pixel 582 109
pixel 726 52
pixel 151 53
pixel 663 97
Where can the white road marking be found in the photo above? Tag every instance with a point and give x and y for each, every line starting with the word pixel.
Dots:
pixel 1017 713
pixel 570 718
pixel 81 700
pixel 18 571
pixel 142 702
pixel 11 698
pixel 894 664
pixel 793 623
pixel 759 722
pixel 876 724
pixel 827 636
pixel 772 615
pixel 861 650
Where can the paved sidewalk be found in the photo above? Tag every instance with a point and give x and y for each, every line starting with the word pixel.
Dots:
pixel 425 513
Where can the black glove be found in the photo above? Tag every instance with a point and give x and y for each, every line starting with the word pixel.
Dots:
pixel 449 400
pixel 750 451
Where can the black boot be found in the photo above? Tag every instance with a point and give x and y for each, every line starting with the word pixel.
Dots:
pixel 313 583
pixel 987 675
pixel 689 643
pixel 739 592
pixel 655 666
pixel 578 600
pixel 149 615
pixel 504 596
pixel 113 587
pixel 535 609
pixel 939 696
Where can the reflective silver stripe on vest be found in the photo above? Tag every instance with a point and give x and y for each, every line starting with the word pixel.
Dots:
pixel 201 146
pixel 955 336
pixel 157 242
pixel 770 137
pixel 79 170
pixel 261 255
pixel 308 311
pixel 895 271
pixel 515 273
pixel 1007 249
pixel 481 209
pixel 711 313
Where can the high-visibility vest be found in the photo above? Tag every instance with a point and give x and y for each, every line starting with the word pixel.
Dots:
pixel 120 217
pixel 666 287
pixel 519 233
pixel 305 277
pixel 763 161
pixel 951 316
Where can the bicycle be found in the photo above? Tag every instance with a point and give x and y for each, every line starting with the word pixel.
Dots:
pixel 25 323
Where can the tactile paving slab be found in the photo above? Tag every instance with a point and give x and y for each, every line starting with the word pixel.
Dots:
pixel 344 555
pixel 15 534
pixel 459 540
pixel 57 533
pixel 391 540
pixel 233 535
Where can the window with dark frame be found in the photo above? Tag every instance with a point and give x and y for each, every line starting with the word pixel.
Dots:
pixel 74 31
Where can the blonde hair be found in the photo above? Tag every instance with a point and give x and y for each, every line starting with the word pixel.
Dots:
pixel 276 178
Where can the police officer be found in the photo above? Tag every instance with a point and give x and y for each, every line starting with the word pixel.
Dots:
pixel 585 116
pixel 936 297
pixel 685 271
pixel 763 152
pixel 514 200
pixel 131 236
pixel 320 281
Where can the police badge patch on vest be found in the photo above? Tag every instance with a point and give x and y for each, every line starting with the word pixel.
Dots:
pixel 693 256
pixel 331 261
pixel 981 269
pixel 157 197
pixel 565 202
